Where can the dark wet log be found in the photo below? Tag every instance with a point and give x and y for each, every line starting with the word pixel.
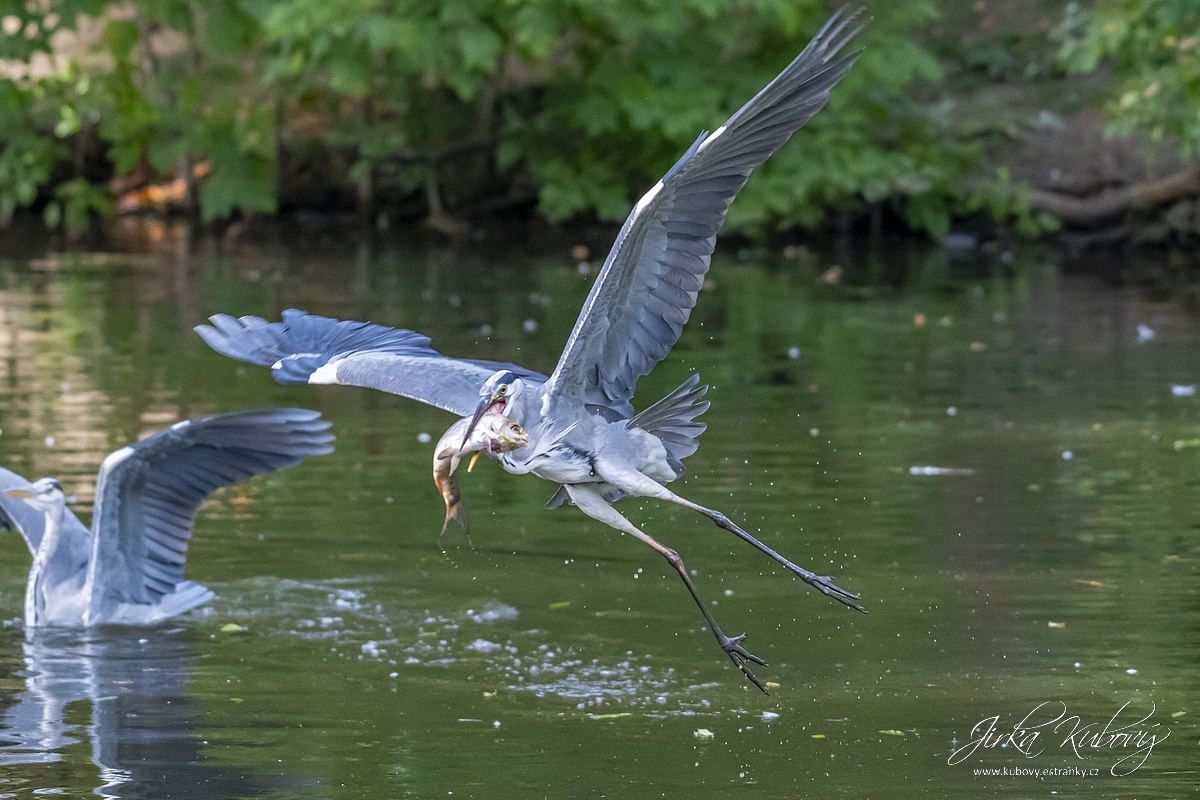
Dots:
pixel 1112 203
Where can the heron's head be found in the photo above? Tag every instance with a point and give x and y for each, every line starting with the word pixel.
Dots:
pixel 496 394
pixel 44 494
pixel 499 390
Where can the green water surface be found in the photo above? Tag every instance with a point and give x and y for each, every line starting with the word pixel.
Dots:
pixel 990 453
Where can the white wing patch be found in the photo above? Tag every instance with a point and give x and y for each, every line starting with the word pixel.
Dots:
pixel 326 373
pixel 712 137
pixel 647 198
pixel 114 458
pixel 279 364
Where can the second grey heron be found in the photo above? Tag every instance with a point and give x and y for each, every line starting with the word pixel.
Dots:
pixel 128 568
pixel 583 434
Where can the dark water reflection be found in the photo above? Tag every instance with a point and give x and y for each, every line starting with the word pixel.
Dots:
pixel 1049 555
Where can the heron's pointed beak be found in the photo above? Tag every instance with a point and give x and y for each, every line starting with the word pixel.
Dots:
pixel 484 404
pixel 22 493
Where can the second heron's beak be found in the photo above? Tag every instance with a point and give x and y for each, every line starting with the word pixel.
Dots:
pixel 22 493
pixel 485 403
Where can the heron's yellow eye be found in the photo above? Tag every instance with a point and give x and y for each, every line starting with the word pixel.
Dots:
pixel 502 390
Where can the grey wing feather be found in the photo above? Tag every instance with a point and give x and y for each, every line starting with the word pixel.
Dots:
pixel 648 285
pixel 147 494
pixel 353 353
pixel 17 515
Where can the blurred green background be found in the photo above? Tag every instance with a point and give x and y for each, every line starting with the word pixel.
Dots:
pixel 454 110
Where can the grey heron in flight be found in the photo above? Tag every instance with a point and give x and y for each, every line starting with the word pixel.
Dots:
pixel 583 434
pixel 128 568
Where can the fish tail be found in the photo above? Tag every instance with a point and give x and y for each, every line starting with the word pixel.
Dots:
pixel 455 510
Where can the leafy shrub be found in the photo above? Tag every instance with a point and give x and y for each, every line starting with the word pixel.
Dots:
pixel 1153 49
pixel 587 102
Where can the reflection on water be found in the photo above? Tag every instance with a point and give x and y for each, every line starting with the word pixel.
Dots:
pixel 121 695
pixel 1043 550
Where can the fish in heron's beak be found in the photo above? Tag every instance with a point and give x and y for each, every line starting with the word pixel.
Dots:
pixel 494 397
pixel 495 434
pixel 494 402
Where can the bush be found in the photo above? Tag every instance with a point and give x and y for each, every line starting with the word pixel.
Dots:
pixel 578 104
pixel 1153 50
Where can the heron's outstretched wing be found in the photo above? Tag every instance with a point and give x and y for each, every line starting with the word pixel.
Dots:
pixel 647 287
pixel 147 494
pixel 17 515
pixel 306 348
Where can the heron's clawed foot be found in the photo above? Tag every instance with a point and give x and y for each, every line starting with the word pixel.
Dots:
pixel 825 585
pixel 740 655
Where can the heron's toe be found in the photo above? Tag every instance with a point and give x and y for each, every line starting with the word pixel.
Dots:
pixel 740 655
pixel 825 585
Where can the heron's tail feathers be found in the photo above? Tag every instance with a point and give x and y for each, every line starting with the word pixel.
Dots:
pixel 302 343
pixel 673 421
pixel 186 596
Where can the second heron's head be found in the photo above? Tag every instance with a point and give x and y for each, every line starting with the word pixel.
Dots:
pixel 45 494
pixel 496 395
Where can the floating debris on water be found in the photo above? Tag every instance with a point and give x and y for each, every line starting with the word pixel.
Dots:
pixel 1183 390
pixel 703 734
pixel 1144 333
pixel 928 470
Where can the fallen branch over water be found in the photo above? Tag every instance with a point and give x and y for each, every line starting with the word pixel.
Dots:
pixel 1111 203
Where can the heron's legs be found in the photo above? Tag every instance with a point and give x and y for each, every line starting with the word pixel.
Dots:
pixel 639 484
pixel 594 505
pixel 822 583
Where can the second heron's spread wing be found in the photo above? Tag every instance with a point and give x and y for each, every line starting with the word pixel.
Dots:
pixel 17 515
pixel 147 494
pixel 307 348
pixel 648 285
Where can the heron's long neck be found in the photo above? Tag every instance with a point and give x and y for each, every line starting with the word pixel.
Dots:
pixel 35 589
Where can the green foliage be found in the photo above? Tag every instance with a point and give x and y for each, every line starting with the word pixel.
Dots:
pixel 645 81
pixel 74 203
pixel 28 156
pixel 590 102
pixel 1152 48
